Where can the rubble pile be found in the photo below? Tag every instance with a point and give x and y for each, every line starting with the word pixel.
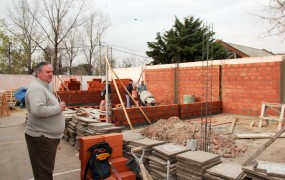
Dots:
pixel 174 130
pixel 171 130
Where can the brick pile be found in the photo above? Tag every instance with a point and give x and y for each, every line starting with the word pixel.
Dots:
pixel 97 85
pixel 115 140
pixel 225 146
pixel 72 84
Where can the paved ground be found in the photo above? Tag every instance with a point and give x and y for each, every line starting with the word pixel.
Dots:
pixel 14 158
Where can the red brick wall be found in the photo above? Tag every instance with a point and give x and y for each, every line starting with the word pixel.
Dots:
pixel 245 86
pixel 160 82
pixel 97 85
pixel 153 113
pixel 194 110
pixel 190 82
pixel 78 97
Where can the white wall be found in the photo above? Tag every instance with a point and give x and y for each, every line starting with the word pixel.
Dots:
pixel 129 73
pixel 8 82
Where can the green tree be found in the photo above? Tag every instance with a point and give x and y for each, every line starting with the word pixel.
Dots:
pixel 11 53
pixel 184 43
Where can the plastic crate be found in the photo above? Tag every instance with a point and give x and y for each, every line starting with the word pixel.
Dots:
pixel 20 94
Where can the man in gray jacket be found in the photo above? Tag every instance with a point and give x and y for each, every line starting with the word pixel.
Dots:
pixel 45 124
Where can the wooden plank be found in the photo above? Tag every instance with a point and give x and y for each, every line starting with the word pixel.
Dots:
pixel 260 150
pixel 232 125
pixel 275 118
pixel 121 100
pixel 128 92
pixel 257 136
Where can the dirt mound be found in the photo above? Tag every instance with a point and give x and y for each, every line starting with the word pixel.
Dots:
pixel 170 130
pixel 176 131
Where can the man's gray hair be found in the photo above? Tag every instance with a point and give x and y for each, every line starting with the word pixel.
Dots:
pixel 39 67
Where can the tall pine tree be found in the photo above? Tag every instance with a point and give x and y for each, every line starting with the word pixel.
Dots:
pixel 183 43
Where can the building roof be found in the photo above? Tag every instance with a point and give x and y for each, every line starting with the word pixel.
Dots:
pixel 244 51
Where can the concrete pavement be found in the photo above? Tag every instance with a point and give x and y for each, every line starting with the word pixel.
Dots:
pixel 14 157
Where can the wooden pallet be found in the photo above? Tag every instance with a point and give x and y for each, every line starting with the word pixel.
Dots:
pixel 4 106
pixel 11 99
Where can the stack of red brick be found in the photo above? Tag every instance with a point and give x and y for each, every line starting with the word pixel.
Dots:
pixel 97 85
pixel 72 84
pixel 80 98
pixel 115 140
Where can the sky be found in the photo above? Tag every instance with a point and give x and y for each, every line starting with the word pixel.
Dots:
pixel 136 22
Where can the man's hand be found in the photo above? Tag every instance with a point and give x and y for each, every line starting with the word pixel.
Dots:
pixel 58 147
pixel 62 105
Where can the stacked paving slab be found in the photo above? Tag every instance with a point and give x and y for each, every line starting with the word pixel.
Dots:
pixel 79 126
pixel 265 170
pixel 225 171
pixel 193 164
pixel 147 144
pixel 162 164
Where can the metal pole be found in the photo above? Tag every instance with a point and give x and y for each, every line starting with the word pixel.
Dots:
pixel 107 90
pixel 99 36
pixel 9 70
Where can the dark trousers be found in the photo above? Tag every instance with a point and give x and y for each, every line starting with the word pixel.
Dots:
pixel 42 151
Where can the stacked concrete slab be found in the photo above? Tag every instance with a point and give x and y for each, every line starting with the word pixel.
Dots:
pixel 225 171
pixel 265 170
pixel 193 164
pixel 79 126
pixel 147 144
pixel 162 164
pixel 127 137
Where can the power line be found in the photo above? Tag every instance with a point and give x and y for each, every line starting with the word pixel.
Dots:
pixel 130 53
pixel 83 47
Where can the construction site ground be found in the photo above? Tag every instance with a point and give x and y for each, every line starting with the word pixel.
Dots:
pixel 221 124
pixel 15 164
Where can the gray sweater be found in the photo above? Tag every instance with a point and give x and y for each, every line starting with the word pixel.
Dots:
pixel 44 113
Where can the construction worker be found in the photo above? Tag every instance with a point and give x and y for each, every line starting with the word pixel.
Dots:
pixel 45 123
pixel 103 92
pixel 141 88
pixel 130 89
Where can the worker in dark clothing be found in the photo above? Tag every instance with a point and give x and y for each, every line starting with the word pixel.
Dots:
pixel 103 92
pixel 130 89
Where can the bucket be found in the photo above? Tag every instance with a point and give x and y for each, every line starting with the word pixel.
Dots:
pixel 189 99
